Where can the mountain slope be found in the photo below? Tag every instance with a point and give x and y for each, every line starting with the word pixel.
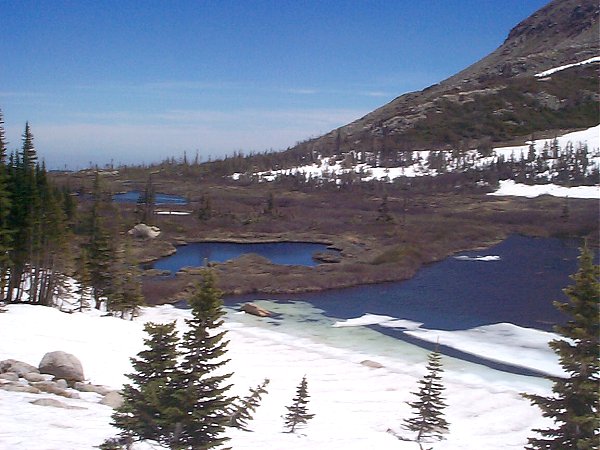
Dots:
pixel 495 99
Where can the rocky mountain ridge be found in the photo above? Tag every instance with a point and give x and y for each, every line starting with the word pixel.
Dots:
pixel 496 99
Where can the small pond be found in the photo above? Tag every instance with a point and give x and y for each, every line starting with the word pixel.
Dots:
pixel 199 253
pixel 160 199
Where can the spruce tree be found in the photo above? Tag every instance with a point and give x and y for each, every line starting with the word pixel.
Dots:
pixel 244 408
pixel 574 405
pixel 201 393
pixel 297 414
pixel 148 403
pixel 428 420
pixel 5 207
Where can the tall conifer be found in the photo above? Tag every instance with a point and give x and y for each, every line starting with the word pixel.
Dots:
pixel 5 204
pixel 149 401
pixel 574 405
pixel 201 392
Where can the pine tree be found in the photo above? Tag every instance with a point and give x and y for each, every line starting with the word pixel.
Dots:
pixel 243 409
pixel 297 414
pixel 5 207
pixel 149 407
pixel 201 394
pixel 574 406
pixel 428 420
pixel 100 251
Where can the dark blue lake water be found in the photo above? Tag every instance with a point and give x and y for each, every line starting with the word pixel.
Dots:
pixel 160 199
pixel 519 287
pixel 197 254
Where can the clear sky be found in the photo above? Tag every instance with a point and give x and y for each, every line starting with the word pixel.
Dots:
pixel 139 81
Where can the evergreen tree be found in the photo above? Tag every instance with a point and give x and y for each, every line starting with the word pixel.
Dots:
pixel 574 406
pixel 100 252
pixel 244 408
pixel 148 403
pixel 124 295
pixel 428 420
pixel 297 414
pixel 5 207
pixel 201 395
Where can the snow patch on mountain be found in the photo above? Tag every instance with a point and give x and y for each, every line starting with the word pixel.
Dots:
pixel 545 73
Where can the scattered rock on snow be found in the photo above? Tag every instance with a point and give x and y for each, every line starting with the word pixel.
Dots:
pixel 32 377
pixel 52 388
pixel 372 364
pixel 251 308
pixel 10 376
pixel 87 387
pixel 54 403
pixel 62 365
pixel 112 399
pixel 18 367
pixel 16 387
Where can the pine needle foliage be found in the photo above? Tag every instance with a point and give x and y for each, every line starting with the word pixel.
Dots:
pixel 244 408
pixel 298 414
pixel 145 413
pixel 201 392
pixel 428 420
pixel 178 397
pixel 574 405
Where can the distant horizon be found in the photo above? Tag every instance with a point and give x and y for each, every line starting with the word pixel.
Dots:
pixel 133 83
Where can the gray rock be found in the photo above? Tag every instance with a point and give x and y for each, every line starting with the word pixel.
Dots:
pixel 52 388
pixel 86 387
pixel 62 365
pixel 143 231
pixel 35 376
pixel 372 364
pixel 255 310
pixel 54 403
pixel 15 387
pixel 18 367
pixel 10 376
pixel 62 383
pixel 113 399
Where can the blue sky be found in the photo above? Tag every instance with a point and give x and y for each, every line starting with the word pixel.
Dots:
pixel 139 81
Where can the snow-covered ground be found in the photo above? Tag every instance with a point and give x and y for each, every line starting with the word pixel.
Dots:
pixel 510 188
pixel 355 406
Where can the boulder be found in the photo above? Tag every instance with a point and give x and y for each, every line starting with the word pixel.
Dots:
pixel 62 365
pixel 18 367
pixel 113 399
pixel 143 231
pixel 251 308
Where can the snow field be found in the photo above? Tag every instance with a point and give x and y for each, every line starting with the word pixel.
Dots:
pixel 354 405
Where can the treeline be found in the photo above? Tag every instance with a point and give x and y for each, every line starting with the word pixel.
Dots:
pixel 34 226
pixel 46 241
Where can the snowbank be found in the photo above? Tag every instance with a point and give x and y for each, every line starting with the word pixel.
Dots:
pixel 355 406
pixel 510 188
